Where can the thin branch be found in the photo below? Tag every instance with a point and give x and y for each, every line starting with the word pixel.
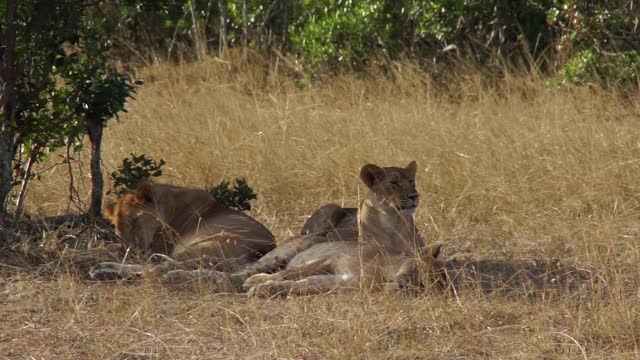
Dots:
pixel 245 30
pixel 172 44
pixel 270 14
pixel 25 183
pixel 49 168
pixel 132 49
pixel 70 171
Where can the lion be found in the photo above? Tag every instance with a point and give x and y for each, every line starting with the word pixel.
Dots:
pixel 385 230
pixel 392 190
pixel 185 224
pixel 389 253
pixel 328 266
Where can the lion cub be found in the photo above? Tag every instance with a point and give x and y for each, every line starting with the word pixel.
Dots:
pixel 388 253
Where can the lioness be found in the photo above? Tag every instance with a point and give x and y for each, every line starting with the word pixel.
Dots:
pixel 186 224
pixel 386 213
pixel 387 254
pixel 327 266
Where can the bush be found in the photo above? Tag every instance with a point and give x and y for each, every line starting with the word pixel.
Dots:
pixel 237 198
pixel 338 35
pixel 133 172
pixel 588 66
pixel 579 68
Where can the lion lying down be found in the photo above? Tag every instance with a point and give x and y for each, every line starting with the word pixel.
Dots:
pixel 329 266
pixel 186 224
pixel 389 253
pixel 385 251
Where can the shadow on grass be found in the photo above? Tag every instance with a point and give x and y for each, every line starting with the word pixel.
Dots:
pixel 527 277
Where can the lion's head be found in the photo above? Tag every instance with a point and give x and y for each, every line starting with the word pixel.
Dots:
pixel 132 218
pixel 393 187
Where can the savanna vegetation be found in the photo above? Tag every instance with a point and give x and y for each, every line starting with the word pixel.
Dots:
pixel 521 115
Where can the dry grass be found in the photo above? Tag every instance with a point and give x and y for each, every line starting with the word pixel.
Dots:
pixel 534 190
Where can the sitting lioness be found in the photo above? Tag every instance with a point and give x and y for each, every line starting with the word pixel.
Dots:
pixel 386 213
pixel 388 252
pixel 186 224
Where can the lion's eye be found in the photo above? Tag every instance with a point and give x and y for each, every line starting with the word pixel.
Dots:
pixel 412 182
pixel 395 183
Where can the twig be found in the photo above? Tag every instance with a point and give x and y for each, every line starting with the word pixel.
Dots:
pixel 64 219
pixel 270 13
pixel 582 350
pixel 132 49
pixel 25 182
pixel 173 41
pixel 72 189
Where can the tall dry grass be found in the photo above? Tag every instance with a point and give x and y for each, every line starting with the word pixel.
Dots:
pixel 533 189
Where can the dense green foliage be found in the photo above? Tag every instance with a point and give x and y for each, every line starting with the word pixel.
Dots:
pixel 599 40
pixel 346 34
pixel 41 117
pixel 57 90
pixel 59 84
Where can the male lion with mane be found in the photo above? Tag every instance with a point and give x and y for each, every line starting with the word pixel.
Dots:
pixel 186 224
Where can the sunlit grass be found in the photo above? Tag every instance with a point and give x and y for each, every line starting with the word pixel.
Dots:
pixel 519 180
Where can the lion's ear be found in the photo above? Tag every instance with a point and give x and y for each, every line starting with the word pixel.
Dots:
pixel 412 168
pixel 109 209
pixel 431 251
pixel 371 174
pixel 144 193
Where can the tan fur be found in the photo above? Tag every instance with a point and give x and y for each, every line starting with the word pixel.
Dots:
pixel 388 208
pixel 329 266
pixel 187 225
pixel 388 253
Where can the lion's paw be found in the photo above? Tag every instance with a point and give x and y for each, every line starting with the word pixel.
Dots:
pixel 111 271
pixel 267 289
pixel 256 279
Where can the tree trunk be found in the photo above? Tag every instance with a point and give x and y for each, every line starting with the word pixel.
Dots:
pixel 222 4
pixel 285 28
pixel 8 77
pixel 245 30
pixel 6 171
pixel 197 36
pixel 94 129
